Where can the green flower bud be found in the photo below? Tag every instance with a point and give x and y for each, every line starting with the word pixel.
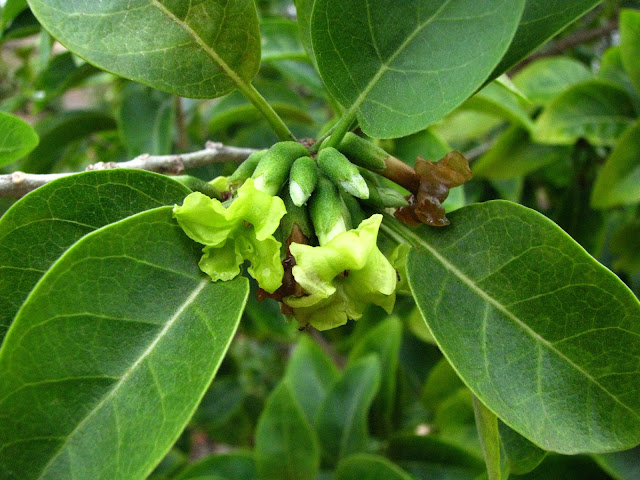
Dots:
pixel 246 169
pixel 328 212
pixel 196 185
pixel 303 179
pixel 383 197
pixel 342 172
pixel 356 214
pixel 363 153
pixel 273 169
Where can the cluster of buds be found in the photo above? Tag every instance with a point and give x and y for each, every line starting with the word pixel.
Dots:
pixel 308 224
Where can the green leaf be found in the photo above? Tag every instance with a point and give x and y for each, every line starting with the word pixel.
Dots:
pixel 9 11
pixel 58 132
pixel 612 70
pixel 455 422
pixel 522 455
pixel 497 100
pixel 400 66
pixel 238 465
pixel 406 448
pixel 541 20
pixel 514 154
pixel 369 467
pixel 596 110
pixel 201 50
pixel 442 382
pixel 281 40
pixel 61 74
pixel 383 340
pixel 303 14
pixel 342 421
pixel 566 468
pixel 546 78
pixel 630 44
pixel 534 308
pixel 17 138
pixel 37 230
pixel 145 121
pixel 621 465
pixel 286 445
pixel 311 374
pixel 102 371
pixel 426 144
pixel 618 183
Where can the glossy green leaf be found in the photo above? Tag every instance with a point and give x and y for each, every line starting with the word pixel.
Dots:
pixel 383 340
pixel 342 420
pixel 60 131
pixel 532 307
pixel 311 374
pixel 514 154
pixel 546 78
pixel 303 14
pixel 17 138
pixel 201 50
pixel 38 229
pixel 286 445
pixel 145 121
pixel 498 100
pixel 281 40
pixel 630 45
pixel 521 455
pixel 596 110
pixel 621 465
pixel 238 465
pixel 400 66
pixel 618 183
pixel 90 372
pixel 541 20
pixel 369 467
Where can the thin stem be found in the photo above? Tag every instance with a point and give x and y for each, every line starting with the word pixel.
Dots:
pixel 487 425
pixel 340 130
pixel 258 101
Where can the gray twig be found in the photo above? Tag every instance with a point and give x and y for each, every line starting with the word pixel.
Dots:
pixel 17 184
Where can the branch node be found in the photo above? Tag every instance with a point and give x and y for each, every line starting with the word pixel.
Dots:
pixel 17 178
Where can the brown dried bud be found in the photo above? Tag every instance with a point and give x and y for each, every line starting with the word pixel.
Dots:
pixel 436 179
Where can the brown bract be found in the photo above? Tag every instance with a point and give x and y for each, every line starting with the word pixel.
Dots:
pixel 436 179
pixel 289 285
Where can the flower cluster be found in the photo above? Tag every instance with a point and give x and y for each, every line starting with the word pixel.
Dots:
pixel 333 271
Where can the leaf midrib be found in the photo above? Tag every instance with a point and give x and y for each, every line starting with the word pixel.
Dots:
pixel 161 334
pixel 242 85
pixel 385 65
pixel 532 333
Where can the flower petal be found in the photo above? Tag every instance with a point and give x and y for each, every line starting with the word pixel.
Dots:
pixel 264 256
pixel 203 219
pixel 221 262
pixel 257 208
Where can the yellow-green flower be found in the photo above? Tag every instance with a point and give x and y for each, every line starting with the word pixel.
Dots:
pixel 243 231
pixel 342 277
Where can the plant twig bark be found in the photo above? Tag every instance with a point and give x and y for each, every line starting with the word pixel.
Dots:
pixel 567 43
pixel 19 183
